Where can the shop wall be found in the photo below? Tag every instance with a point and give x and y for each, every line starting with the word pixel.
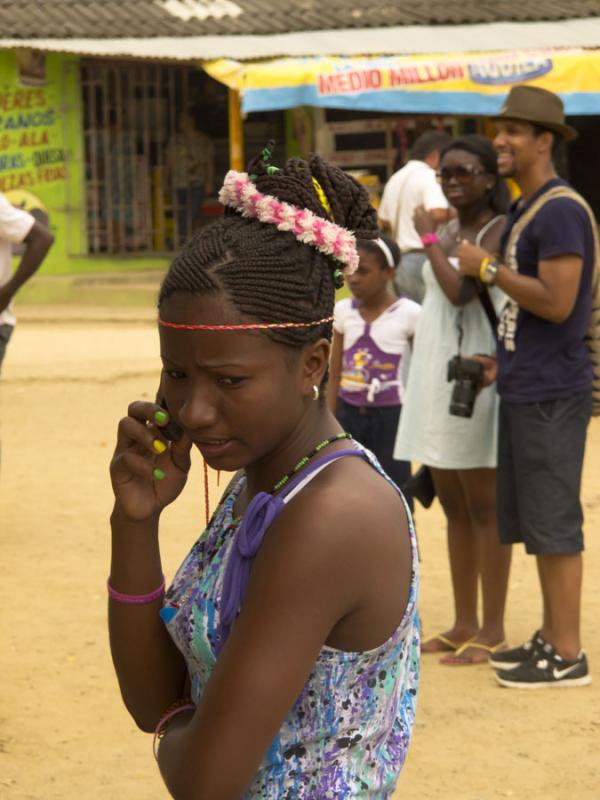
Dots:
pixel 40 146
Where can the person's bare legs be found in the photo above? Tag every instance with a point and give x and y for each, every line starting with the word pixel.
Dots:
pixel 561 576
pixel 463 560
pixel 493 559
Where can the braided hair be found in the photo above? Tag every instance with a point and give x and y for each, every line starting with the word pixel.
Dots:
pixel 267 274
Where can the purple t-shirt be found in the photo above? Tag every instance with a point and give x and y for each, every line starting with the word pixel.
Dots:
pixel 550 360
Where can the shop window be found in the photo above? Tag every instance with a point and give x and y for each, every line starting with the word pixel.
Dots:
pixel 134 115
pixel 372 146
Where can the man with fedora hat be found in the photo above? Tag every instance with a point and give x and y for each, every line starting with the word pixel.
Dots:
pixel 544 376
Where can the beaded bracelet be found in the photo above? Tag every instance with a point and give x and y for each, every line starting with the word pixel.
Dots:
pixel 429 238
pixel 177 708
pixel 136 599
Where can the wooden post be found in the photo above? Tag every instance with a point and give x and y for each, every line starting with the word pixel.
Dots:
pixel 236 132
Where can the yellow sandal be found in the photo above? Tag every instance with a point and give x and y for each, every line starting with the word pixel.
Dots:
pixel 450 646
pixel 491 649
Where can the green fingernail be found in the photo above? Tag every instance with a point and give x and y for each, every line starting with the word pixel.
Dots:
pixel 161 417
pixel 158 474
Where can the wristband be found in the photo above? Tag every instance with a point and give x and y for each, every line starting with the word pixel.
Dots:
pixel 136 599
pixel 177 708
pixel 429 238
pixel 482 267
pixel 487 271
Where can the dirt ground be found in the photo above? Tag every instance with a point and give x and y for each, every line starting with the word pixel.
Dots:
pixel 64 733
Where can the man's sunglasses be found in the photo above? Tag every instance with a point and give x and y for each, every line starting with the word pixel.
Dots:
pixel 463 173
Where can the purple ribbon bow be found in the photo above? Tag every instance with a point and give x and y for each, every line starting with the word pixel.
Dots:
pixel 260 513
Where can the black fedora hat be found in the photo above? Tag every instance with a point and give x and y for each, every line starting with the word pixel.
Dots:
pixel 538 107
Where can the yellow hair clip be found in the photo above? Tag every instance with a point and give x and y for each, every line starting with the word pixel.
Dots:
pixel 322 197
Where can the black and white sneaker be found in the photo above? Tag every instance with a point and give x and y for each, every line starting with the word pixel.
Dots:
pixel 509 659
pixel 546 668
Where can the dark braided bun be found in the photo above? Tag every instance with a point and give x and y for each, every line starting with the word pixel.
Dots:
pixel 267 274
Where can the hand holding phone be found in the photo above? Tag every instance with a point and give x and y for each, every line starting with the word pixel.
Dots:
pixel 146 474
pixel 171 431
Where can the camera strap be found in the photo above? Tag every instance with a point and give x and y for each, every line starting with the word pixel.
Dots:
pixel 459 327
pixel 482 292
pixel 488 307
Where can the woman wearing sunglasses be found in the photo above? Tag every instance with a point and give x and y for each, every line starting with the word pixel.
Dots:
pixel 454 434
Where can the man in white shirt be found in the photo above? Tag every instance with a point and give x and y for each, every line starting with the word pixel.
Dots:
pixel 17 226
pixel 414 185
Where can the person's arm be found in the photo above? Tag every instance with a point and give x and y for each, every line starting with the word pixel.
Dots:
pixel 441 215
pixel 551 295
pixel 434 200
pixel 37 243
pixel 150 669
pixel 305 578
pixel 335 370
pixel 559 229
pixel 385 212
pixel 448 278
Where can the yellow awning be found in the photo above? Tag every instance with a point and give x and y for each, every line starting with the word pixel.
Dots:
pixel 449 83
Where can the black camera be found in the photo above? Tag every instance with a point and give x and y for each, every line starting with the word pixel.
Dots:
pixel 467 375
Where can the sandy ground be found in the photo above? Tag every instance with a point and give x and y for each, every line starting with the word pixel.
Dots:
pixel 63 730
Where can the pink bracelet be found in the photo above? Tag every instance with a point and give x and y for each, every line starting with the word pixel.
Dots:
pixel 161 728
pixel 429 238
pixel 136 599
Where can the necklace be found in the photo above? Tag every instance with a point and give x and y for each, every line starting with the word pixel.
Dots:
pixel 305 459
pixel 295 469
pixel 168 611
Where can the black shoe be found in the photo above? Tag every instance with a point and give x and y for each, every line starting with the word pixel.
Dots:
pixel 509 659
pixel 546 668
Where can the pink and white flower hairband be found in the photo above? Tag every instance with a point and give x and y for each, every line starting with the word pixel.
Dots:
pixel 240 193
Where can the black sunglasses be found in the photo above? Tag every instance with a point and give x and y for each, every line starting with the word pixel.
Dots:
pixel 463 173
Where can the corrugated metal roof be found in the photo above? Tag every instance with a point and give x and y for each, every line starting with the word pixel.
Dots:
pixel 111 19
pixel 383 41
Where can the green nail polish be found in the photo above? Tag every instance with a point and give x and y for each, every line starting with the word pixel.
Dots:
pixel 158 474
pixel 161 417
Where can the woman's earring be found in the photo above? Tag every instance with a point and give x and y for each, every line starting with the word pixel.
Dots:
pixel 316 392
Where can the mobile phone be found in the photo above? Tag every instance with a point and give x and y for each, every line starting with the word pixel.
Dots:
pixel 171 431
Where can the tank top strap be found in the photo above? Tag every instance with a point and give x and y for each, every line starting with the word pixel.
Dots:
pixel 488 225
pixel 312 470
pixel 262 510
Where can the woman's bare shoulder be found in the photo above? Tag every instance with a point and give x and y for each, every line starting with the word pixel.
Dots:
pixel 345 501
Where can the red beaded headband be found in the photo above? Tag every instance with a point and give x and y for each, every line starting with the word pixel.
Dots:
pixel 248 326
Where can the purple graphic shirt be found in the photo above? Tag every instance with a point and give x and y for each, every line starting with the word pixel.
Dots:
pixel 374 352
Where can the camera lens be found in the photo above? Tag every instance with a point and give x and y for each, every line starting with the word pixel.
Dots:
pixel 463 397
pixel 467 376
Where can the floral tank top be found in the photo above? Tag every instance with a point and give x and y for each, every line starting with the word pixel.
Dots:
pixel 348 732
